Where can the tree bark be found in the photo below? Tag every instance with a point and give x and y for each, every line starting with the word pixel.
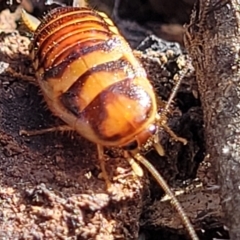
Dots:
pixel 213 41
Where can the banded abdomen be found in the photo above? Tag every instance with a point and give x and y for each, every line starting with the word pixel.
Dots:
pixel 90 77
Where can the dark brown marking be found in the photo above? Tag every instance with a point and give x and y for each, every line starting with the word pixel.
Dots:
pixel 70 98
pixel 97 108
pixel 53 16
pixel 75 53
pixel 95 113
pixel 63 34
pixel 52 21
pixel 82 43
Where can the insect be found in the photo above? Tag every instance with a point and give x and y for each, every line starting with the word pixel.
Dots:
pixel 91 79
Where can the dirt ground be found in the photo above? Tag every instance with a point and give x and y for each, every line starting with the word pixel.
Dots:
pixel 51 185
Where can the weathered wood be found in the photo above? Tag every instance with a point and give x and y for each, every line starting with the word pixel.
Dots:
pixel 213 41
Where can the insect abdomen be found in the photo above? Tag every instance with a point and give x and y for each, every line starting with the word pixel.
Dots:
pixel 90 77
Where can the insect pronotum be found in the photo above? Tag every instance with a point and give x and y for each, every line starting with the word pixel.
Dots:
pixel 91 79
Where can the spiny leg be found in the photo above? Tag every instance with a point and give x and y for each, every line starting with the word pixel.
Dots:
pixel 46 130
pixel 162 118
pixel 163 123
pixel 168 191
pixel 185 69
pixel 101 159
pixel 173 135
pixel 13 73
pixel 68 128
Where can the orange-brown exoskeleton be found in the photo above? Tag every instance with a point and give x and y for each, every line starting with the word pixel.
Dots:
pixel 91 79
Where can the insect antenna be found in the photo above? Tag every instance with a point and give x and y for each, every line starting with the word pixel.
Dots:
pixel 168 191
pixel 182 74
pixel 162 121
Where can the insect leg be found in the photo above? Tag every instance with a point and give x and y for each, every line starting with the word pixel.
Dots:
pixel 46 130
pixel 162 121
pixel 173 135
pixel 102 166
pixel 162 118
pixel 13 73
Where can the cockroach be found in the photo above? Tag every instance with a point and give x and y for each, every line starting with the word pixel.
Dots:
pixel 91 79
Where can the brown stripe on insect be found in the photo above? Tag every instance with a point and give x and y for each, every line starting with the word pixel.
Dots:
pixel 58 14
pixel 70 32
pixel 93 81
pixel 72 54
pixel 119 111
pixel 75 18
pixel 63 49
